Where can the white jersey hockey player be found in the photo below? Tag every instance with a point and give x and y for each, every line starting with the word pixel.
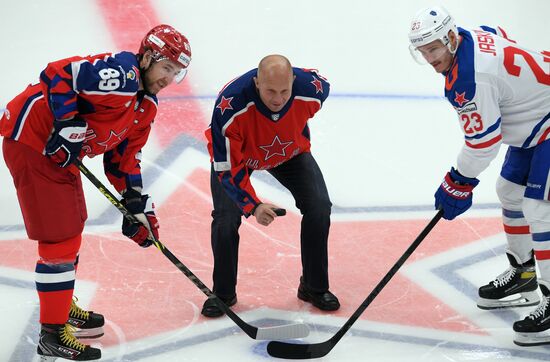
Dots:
pixel 501 93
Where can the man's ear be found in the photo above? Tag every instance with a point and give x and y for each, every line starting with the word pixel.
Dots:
pixel 146 60
pixel 453 39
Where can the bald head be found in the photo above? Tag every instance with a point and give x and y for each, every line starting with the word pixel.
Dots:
pixel 275 66
pixel 274 81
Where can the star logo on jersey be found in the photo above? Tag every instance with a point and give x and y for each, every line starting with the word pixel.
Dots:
pixel 276 148
pixel 460 99
pixel 225 104
pixel 114 139
pixel 318 85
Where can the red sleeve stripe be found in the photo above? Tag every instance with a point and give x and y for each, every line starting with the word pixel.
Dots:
pixel 504 35
pixel 516 229
pixel 484 144
pixel 543 137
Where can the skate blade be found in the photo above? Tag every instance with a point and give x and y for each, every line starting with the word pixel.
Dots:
pixel 525 299
pixel 47 359
pixel 88 333
pixel 532 339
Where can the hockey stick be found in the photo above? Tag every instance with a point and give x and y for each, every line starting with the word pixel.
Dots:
pixel 276 332
pixel 317 350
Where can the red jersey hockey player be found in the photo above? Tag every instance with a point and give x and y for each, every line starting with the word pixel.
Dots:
pixel 501 92
pixel 84 106
pixel 260 122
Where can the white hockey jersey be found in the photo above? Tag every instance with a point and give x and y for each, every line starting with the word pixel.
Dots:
pixel 501 92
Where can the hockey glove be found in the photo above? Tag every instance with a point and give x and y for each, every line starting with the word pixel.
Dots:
pixel 142 207
pixel 66 141
pixel 454 195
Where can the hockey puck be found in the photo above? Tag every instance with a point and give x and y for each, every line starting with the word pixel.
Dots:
pixel 280 212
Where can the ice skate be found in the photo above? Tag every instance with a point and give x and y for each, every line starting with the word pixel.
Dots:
pixel 87 324
pixel 534 330
pixel 516 287
pixel 57 341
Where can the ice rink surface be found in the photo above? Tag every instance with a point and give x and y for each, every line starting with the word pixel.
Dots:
pixel 384 139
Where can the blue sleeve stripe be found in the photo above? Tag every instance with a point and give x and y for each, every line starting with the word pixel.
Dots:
pixel 237 194
pixel 134 181
pixel 23 115
pixel 489 29
pixel 219 145
pixel 489 130
pixel 305 132
pixel 534 132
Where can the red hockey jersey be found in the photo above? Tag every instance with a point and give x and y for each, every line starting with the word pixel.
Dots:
pixel 245 135
pixel 104 90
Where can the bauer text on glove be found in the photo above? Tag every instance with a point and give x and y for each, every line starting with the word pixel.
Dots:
pixel 454 195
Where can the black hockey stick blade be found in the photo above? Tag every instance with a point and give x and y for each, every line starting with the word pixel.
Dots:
pixel 277 332
pixel 318 350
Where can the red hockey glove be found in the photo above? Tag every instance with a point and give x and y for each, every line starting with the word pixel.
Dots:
pixel 66 141
pixel 142 207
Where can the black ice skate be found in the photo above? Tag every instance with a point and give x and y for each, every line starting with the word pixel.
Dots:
pixel 516 287
pixel 87 323
pixel 57 341
pixel 534 330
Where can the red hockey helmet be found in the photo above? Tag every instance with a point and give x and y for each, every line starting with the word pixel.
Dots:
pixel 168 43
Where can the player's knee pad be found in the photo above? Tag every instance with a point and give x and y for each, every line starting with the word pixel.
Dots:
pixel 62 251
pixel 510 194
pixel 537 213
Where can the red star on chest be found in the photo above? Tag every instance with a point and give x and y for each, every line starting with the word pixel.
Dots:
pixel 318 85
pixel 114 139
pixel 460 99
pixel 275 148
pixel 224 104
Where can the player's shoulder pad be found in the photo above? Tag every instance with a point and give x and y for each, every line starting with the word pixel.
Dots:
pixel 489 29
pixel 235 96
pixel 109 72
pixel 498 31
pixel 127 63
pixel 460 85
pixel 309 83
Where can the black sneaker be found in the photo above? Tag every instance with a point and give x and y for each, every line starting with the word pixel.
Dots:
pixel 516 287
pixel 322 300
pixel 211 310
pixel 57 341
pixel 87 323
pixel 534 330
